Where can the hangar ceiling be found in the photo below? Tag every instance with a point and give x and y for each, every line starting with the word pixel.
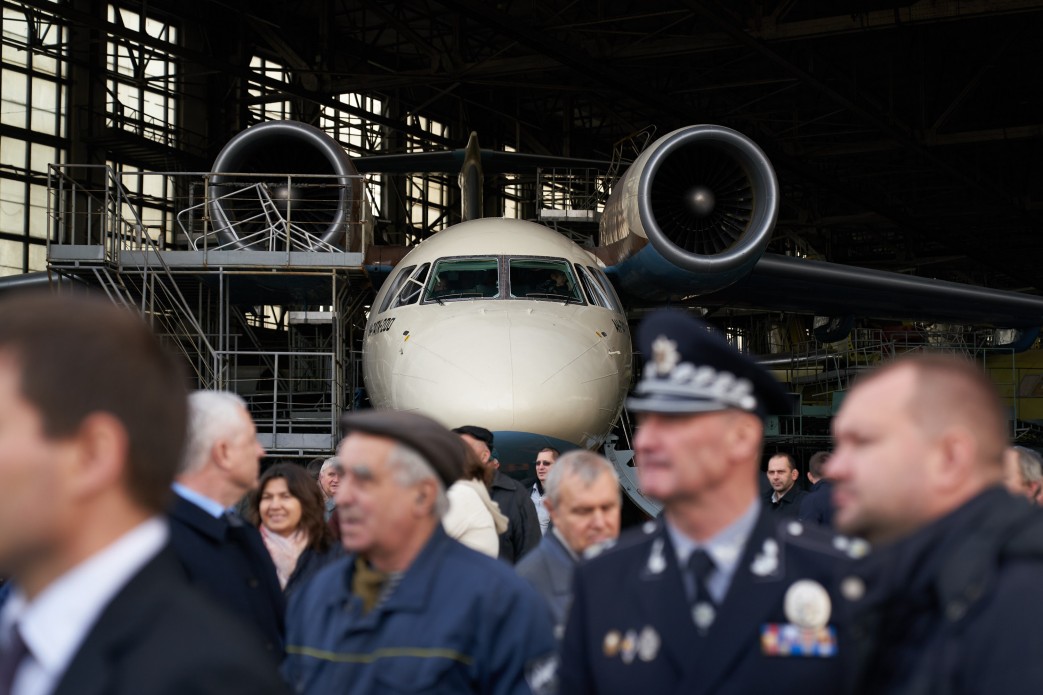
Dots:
pixel 906 135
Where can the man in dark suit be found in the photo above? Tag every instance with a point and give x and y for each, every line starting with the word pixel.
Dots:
pixel 718 598
pixel 786 495
pixel 583 499
pixel 93 415
pixel 816 506
pixel 223 555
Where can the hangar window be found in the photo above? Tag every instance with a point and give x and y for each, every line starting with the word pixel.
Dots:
pixel 549 279
pixel 33 95
pixel 464 278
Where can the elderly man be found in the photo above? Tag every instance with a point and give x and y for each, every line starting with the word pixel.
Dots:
pixel 329 479
pixel 583 499
pixel 523 529
pixel 411 610
pixel 93 422
pixel 1023 472
pixel 714 598
pixel 221 554
pixel 944 603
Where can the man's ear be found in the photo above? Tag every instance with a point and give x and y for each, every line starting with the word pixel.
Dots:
pixel 426 494
pixel 101 448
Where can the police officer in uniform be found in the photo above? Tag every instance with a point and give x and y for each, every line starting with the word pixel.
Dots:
pixel 715 597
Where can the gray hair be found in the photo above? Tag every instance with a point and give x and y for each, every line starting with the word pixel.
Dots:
pixel 1031 465
pixel 329 463
pixel 212 416
pixel 410 468
pixel 587 465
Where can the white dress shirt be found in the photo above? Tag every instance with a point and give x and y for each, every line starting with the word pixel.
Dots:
pixel 55 623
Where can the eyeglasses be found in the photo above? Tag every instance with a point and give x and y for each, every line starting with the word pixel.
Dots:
pixel 544 463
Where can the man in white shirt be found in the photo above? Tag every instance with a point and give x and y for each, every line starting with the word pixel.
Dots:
pixel 92 421
pixel 544 461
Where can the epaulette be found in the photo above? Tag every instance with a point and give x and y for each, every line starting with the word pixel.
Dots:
pixel 820 539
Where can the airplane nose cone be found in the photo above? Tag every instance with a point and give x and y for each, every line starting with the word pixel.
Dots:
pixel 523 366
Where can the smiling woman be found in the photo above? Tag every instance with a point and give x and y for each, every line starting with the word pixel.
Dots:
pixel 288 509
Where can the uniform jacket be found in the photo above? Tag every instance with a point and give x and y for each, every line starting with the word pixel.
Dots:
pixel 233 567
pixel 630 629
pixel 523 531
pixel 457 622
pixel 953 608
pixel 549 570
pixel 816 506
pixel 161 636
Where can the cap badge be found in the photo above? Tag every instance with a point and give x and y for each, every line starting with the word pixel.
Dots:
pixel 665 355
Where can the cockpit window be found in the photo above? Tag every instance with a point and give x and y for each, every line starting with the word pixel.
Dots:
pixel 463 278
pixel 543 278
pixel 599 287
pixel 412 287
pixel 396 287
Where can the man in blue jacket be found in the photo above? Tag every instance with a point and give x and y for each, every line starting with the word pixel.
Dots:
pixel 410 609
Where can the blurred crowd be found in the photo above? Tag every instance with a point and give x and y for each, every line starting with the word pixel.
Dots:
pixel 147 550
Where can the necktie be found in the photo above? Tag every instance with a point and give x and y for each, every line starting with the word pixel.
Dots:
pixel 11 658
pixel 704 608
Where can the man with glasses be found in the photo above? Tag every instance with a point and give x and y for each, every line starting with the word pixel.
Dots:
pixel 536 486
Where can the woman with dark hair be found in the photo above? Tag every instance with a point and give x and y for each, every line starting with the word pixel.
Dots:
pixel 289 512
pixel 473 518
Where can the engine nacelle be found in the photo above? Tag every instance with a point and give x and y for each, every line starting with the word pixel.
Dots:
pixel 693 214
pixel 305 174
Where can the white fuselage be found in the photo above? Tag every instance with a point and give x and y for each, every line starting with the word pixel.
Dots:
pixel 505 356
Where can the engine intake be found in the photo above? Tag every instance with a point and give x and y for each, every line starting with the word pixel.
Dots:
pixel 704 197
pixel 306 174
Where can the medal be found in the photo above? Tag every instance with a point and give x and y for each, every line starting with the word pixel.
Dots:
pixel 807 604
pixel 610 645
pixel 648 644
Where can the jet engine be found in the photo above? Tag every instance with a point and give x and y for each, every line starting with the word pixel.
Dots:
pixel 693 214
pixel 283 181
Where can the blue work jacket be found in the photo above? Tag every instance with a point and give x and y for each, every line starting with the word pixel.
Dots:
pixel 457 622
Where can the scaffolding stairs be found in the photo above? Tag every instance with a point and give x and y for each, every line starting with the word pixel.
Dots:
pixel 214 306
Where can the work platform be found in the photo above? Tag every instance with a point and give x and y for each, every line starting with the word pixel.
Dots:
pixel 262 306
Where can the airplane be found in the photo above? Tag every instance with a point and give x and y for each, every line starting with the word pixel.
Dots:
pixel 507 324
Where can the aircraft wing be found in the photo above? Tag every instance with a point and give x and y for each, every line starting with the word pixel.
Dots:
pixel 799 285
pixel 692 217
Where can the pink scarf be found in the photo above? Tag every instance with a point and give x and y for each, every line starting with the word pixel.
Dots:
pixel 285 551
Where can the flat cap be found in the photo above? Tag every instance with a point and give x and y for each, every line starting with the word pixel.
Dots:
pixel 690 369
pixel 479 433
pixel 443 450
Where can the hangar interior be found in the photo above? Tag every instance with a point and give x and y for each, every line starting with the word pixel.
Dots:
pixel 906 137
